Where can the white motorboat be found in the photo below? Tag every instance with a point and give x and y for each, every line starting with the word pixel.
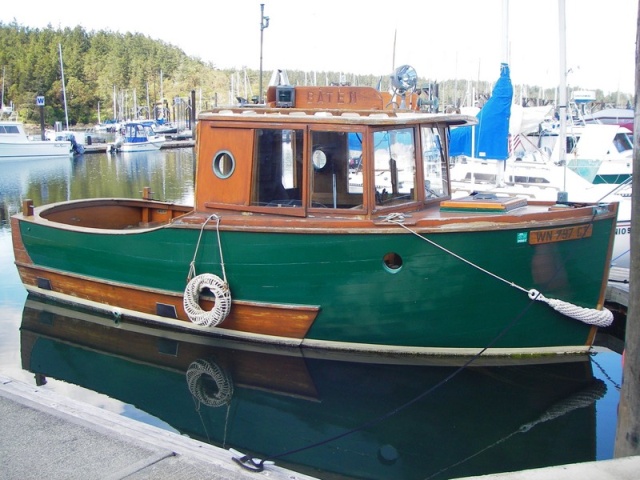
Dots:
pixel 138 137
pixel 15 143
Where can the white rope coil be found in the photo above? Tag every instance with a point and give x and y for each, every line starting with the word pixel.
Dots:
pixel 221 307
pixel 223 385
pixel 590 316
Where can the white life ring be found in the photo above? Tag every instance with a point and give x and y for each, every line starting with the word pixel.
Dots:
pixel 220 291
pixel 211 397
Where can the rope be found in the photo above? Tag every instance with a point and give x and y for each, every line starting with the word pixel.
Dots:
pixel 217 286
pixel 589 395
pixel 192 265
pixel 606 375
pixel 257 465
pixel 590 316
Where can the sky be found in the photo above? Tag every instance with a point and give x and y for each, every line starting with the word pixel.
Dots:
pixel 441 39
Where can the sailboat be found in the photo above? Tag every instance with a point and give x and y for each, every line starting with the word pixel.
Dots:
pixel 77 140
pixel 5 110
pixel 598 166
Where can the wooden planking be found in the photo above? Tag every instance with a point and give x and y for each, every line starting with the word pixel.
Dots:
pixel 289 321
pixel 19 250
pixel 479 203
pixel 236 189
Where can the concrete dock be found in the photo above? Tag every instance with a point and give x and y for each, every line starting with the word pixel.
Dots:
pixel 46 435
pixel 627 468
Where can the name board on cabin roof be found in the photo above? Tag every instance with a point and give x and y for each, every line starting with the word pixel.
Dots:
pixel 339 97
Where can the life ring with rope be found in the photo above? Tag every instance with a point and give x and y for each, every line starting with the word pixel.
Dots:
pixel 222 305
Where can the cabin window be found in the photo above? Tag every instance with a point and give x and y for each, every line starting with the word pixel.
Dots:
pixel 9 129
pixel 335 164
pixel 224 164
pixel 623 141
pixel 436 184
pixel 277 175
pixel 394 166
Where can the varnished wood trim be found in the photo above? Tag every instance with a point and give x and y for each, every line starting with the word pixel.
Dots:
pixel 19 250
pixel 280 320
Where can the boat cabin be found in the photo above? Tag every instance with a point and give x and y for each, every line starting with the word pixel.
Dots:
pixel 318 151
pixel 137 132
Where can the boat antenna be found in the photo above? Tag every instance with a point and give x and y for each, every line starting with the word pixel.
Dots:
pixel 64 92
pixel 393 57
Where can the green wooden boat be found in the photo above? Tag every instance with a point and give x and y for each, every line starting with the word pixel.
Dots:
pixel 324 219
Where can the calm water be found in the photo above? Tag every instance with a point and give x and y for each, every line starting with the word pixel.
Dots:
pixel 360 417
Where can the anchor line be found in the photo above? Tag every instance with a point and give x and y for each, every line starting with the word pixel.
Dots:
pixel 590 316
pixel 615 384
pixel 398 218
pixel 257 465
pixel 584 398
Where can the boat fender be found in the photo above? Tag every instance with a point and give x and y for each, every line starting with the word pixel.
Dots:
pixel 590 316
pixel 220 291
pixel 212 397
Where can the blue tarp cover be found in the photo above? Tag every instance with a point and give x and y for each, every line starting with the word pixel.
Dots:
pixel 492 130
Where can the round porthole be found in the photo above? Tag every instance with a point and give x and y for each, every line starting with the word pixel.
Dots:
pixel 319 159
pixel 223 164
pixel 392 262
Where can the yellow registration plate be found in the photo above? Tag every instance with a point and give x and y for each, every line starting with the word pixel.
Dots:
pixel 560 234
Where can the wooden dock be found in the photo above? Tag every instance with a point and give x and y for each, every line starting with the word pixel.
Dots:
pixel 618 286
pixel 617 301
pixel 104 147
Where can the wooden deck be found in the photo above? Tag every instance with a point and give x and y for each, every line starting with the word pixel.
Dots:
pixel 618 286
pixel 616 300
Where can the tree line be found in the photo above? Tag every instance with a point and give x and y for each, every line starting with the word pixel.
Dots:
pixel 135 73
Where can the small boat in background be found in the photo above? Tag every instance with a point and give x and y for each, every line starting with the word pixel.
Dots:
pixel 623 117
pixel 165 128
pixel 137 137
pixel 78 139
pixel 15 143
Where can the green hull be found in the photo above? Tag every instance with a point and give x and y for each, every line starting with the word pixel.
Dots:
pixel 434 300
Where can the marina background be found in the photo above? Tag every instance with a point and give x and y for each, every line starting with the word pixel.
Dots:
pixel 355 37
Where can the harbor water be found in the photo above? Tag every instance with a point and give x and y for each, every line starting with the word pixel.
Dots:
pixel 326 415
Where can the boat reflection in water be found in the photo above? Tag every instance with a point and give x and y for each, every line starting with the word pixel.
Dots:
pixel 389 417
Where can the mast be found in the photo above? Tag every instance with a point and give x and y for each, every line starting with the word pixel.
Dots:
pixel 502 165
pixel 64 91
pixel 562 96
pixel 2 99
